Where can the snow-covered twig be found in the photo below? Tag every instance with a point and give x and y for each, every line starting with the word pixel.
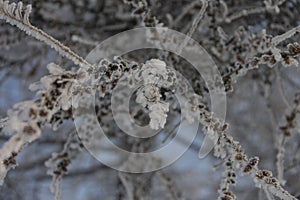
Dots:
pixel 16 15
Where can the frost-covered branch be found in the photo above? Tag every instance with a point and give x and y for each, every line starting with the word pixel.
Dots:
pixel 195 24
pixel 230 149
pixel 58 164
pixel 26 119
pixel 17 16
pixel 280 38
pixel 269 7
pixel 170 185
pixel 286 130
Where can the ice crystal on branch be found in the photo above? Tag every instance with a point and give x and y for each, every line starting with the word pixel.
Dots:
pixel 155 77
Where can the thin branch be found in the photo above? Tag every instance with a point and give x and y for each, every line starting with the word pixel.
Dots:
pixel 281 89
pixel 171 132
pixel 184 11
pixel 245 13
pixel 78 173
pixel 253 11
pixel 19 17
pixel 195 24
pixel 280 38
pixel 167 181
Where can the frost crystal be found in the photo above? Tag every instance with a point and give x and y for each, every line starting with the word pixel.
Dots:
pixel 155 76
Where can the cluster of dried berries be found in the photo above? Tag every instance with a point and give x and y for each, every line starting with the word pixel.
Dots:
pixel 267 176
pixel 252 164
pixel 248 51
pixel 11 162
pixel 142 9
pixel 229 178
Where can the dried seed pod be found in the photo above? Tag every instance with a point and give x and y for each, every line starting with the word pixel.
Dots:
pixel 239 156
pixel 266 58
pixel 224 127
pixel 259 174
pixel 29 129
pixel 267 173
pixel 252 163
